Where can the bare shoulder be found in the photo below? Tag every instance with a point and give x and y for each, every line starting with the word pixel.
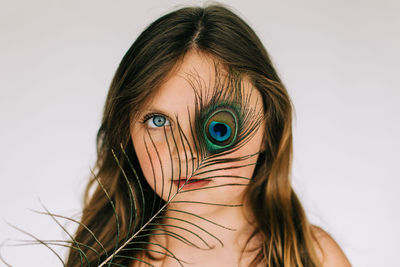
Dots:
pixel 328 251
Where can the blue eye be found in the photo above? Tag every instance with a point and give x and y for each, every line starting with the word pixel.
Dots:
pixel 157 121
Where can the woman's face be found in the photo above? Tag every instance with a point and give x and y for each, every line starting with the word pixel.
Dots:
pixel 167 139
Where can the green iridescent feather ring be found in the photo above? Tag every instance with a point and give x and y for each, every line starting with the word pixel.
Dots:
pixel 220 129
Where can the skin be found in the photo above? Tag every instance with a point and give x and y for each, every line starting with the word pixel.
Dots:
pixel 175 100
pixel 163 161
pixel 159 158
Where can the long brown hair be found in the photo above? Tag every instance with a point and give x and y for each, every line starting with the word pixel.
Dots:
pixel 218 32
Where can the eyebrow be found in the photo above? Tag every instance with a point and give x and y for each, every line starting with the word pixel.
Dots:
pixel 156 110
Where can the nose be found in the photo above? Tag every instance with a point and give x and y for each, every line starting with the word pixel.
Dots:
pixel 184 149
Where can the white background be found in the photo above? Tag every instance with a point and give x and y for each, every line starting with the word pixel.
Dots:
pixel 339 60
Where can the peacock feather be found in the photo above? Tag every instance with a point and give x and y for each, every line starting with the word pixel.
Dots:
pixel 222 123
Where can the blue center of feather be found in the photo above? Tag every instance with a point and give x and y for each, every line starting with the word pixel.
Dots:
pixel 219 131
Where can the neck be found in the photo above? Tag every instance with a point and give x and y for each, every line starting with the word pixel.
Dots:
pixel 187 233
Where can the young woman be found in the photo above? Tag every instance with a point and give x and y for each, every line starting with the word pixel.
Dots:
pixel 194 156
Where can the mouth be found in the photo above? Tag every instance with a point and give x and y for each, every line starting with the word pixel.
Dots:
pixel 193 183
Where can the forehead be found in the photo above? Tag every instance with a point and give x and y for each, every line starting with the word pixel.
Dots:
pixel 197 74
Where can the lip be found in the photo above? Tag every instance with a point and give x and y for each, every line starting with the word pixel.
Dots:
pixel 193 183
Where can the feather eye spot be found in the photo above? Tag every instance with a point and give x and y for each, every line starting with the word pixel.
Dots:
pixel 221 129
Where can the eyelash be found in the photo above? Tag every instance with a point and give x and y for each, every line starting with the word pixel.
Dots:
pixel 150 116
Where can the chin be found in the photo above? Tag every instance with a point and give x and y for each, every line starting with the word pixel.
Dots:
pixel 206 199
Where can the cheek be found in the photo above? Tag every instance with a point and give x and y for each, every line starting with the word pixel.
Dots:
pixel 147 154
pixel 244 169
pixel 240 172
pixel 251 149
pixel 144 161
pixel 154 158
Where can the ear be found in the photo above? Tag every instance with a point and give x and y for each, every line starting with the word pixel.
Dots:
pixel 263 145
